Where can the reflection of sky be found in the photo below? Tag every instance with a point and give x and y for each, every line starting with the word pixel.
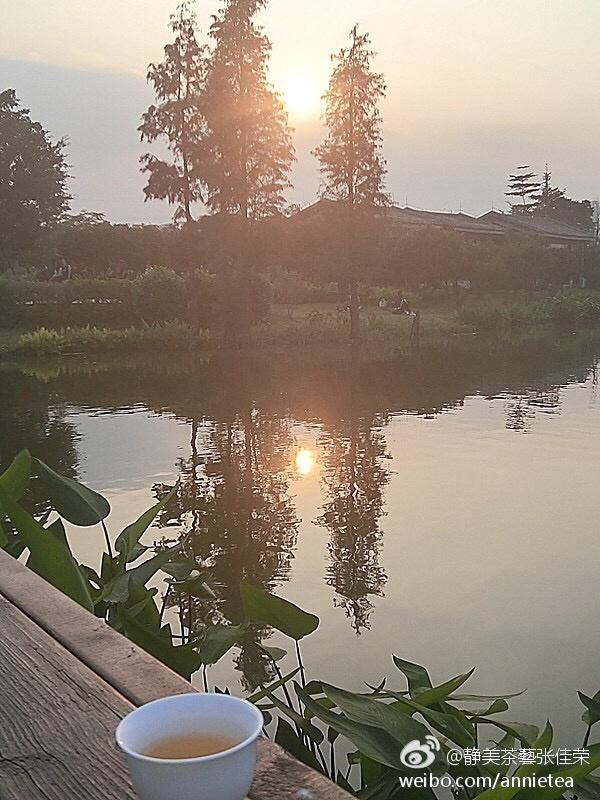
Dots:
pixel 490 544
pixel 130 449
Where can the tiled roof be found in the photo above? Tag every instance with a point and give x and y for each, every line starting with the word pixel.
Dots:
pixel 414 218
pixel 541 226
pixel 456 221
pixel 494 223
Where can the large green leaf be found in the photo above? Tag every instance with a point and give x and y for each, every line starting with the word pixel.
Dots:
pixel 72 500
pixel 14 481
pixel 524 771
pixel 495 707
pixel 4 540
pixel 373 742
pixel 314 734
pixel 475 698
pixel 416 675
pixel 196 585
pixel 402 727
pixel 142 606
pixel 429 697
pixel 275 653
pixel 451 725
pixel 522 731
pixel 588 788
pixel 576 773
pixel 15 478
pixel 118 589
pixel 50 555
pixel 182 569
pixel 268 609
pixel 448 721
pixel 272 687
pixel 218 640
pixel 127 542
pixel 592 704
pixel 182 658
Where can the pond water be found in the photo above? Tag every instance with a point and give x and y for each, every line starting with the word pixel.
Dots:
pixel 443 508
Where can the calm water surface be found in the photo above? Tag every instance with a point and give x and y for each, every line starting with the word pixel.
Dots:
pixel 444 509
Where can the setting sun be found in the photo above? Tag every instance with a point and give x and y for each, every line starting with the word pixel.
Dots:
pixel 302 95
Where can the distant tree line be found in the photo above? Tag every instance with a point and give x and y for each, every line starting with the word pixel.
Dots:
pixel 229 154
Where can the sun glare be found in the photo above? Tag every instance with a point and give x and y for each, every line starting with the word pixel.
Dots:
pixel 305 461
pixel 301 95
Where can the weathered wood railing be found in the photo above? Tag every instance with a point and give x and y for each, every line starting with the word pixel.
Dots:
pixel 133 674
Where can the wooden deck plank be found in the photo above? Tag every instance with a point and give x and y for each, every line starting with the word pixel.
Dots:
pixel 140 678
pixel 58 718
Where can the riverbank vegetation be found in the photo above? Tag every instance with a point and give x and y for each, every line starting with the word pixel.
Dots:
pixel 165 311
pixel 88 339
pixel 365 741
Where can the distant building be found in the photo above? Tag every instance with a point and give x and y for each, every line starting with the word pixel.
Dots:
pixel 493 225
pixel 412 218
pixel 557 233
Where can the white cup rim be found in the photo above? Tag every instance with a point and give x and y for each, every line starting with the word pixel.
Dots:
pixel 198 759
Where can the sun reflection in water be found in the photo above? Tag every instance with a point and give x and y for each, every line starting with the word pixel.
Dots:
pixel 305 461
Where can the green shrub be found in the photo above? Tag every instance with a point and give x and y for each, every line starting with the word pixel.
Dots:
pixel 240 297
pixel 159 295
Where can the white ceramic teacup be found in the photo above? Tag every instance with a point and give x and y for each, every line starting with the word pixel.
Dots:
pixel 222 776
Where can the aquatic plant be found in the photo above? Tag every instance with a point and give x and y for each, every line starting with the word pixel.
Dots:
pixel 165 335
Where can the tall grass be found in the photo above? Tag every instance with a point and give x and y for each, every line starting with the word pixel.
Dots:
pixel 383 335
pixel 159 336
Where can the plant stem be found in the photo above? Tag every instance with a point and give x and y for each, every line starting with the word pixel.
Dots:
pixel 322 759
pixel 205 678
pixel 332 760
pixel 300 664
pixel 107 539
pixel 288 697
pixel 181 623
pixel 586 738
pixel 164 604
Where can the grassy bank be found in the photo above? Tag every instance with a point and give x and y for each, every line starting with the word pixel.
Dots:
pixel 317 329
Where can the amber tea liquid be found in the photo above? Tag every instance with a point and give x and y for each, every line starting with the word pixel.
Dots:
pixel 190 745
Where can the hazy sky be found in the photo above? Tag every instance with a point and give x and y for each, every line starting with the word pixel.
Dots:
pixel 475 87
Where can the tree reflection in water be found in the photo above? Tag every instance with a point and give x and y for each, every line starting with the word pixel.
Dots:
pixel 234 499
pixel 353 452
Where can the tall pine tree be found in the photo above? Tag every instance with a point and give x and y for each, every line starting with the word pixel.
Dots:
pixel 548 199
pixel 177 118
pixel 523 184
pixel 248 148
pixel 248 152
pixel 352 166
